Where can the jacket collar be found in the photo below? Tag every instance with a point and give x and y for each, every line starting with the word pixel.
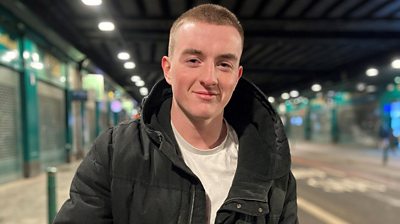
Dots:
pixel 263 148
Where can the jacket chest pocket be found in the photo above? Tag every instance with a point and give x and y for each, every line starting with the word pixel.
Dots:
pixel 241 211
pixel 157 204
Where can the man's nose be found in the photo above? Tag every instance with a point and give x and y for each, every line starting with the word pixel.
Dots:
pixel 209 77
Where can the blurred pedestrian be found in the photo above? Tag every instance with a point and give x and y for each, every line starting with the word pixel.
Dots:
pixel 388 142
pixel 208 147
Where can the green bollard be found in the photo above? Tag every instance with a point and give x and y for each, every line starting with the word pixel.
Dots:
pixel 51 193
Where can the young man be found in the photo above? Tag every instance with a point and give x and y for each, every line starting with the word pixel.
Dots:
pixel 208 147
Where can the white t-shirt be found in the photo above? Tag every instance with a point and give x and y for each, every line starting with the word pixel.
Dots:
pixel 214 167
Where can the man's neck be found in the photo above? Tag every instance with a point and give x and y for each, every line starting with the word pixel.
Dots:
pixel 200 133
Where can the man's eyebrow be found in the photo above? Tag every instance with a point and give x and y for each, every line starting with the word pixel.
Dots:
pixel 228 56
pixel 192 51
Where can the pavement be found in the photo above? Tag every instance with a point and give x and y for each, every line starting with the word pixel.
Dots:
pixel 344 160
pixel 349 153
pixel 24 201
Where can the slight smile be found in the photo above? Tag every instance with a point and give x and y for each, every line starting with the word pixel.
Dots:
pixel 206 95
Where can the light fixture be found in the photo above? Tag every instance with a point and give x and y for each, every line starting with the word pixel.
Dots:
pixel 390 87
pixel 372 72
pixel 129 65
pixel 316 87
pixel 371 88
pixel 116 106
pixel 26 54
pixel 282 108
pixel 37 65
pixel 271 99
pixel 285 96
pixel 143 91
pixel 396 63
pixel 35 57
pixel 92 2
pixel 9 56
pixel 360 86
pixel 135 78
pixel 139 83
pixel 397 79
pixel 294 93
pixel 123 55
pixel 106 26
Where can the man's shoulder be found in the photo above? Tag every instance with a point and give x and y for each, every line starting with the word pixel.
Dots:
pixel 125 128
pixel 113 138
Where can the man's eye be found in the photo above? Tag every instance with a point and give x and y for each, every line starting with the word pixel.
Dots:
pixel 193 61
pixel 225 65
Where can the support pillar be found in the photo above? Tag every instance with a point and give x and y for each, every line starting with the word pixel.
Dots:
pixel 30 117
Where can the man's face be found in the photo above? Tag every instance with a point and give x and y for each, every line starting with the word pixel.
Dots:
pixel 203 69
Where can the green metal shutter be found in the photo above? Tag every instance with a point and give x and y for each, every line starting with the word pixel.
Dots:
pixel 321 124
pixel 10 137
pixel 52 124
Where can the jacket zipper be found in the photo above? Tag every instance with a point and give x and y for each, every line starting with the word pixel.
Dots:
pixel 192 197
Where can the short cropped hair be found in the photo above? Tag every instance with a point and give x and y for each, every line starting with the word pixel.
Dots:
pixel 207 13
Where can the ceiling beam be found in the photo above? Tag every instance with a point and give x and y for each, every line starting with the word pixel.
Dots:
pixel 265 36
pixel 289 25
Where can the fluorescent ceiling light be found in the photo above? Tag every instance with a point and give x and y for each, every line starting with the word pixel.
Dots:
pixel 316 87
pixel 285 96
pixel 129 65
pixel 143 91
pixel 390 87
pixel 92 2
pixel 397 79
pixel 139 83
pixel 135 78
pixel 10 55
pixel 294 93
pixel 123 55
pixel 37 65
pixel 26 54
pixel 371 88
pixel 361 86
pixel 396 63
pixel 372 72
pixel 35 57
pixel 106 26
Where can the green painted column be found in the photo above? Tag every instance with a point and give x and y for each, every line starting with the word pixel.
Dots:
pixel 115 118
pixel 81 151
pixel 334 126
pixel 51 194
pixel 97 116
pixel 109 114
pixel 69 123
pixel 307 123
pixel 30 116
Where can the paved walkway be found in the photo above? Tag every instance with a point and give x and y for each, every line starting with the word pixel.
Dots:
pixel 352 153
pixel 366 162
pixel 25 201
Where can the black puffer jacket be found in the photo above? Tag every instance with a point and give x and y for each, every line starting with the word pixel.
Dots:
pixel 134 172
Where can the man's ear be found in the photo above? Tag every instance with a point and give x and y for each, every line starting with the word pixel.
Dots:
pixel 240 73
pixel 166 67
